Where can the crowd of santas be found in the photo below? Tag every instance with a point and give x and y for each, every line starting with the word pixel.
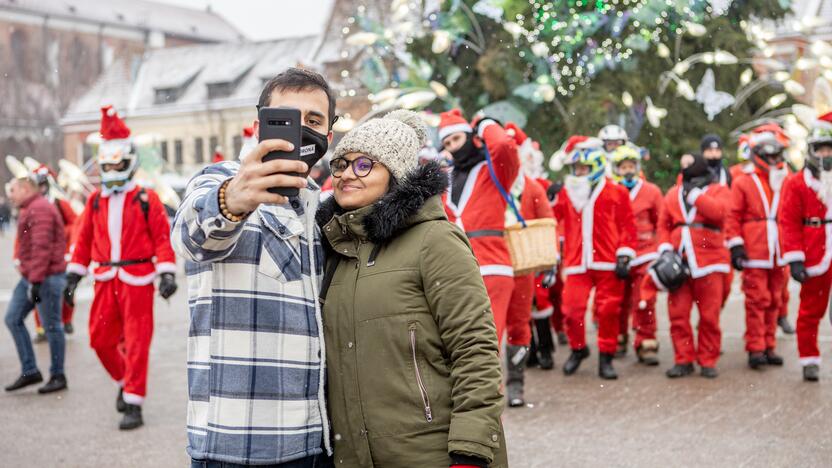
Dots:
pixel 626 241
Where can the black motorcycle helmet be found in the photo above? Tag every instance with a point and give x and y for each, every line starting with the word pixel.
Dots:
pixel 670 270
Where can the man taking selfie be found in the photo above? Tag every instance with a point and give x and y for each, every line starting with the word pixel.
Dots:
pixel 254 263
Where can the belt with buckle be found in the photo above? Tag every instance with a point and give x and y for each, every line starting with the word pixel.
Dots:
pixel 816 222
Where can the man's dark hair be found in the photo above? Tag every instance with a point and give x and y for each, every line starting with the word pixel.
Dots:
pixel 297 79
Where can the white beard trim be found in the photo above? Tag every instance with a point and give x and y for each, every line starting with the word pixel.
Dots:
pixel 825 192
pixel 776 178
pixel 579 189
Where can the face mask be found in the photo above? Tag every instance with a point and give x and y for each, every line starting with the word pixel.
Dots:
pixel 578 188
pixel 629 180
pixel 467 156
pixel 776 177
pixel 313 146
pixel 825 192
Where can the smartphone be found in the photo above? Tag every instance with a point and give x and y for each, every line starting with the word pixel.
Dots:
pixel 281 123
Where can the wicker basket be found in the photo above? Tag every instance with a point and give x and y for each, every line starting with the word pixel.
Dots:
pixel 533 248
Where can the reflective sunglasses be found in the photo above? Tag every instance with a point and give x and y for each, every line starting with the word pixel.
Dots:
pixel 361 166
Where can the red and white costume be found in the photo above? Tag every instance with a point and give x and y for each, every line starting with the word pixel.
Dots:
pixel 113 230
pixel 593 239
pixel 533 205
pixel 806 235
pixel 752 223
pixel 480 212
pixel 646 199
pixel 697 234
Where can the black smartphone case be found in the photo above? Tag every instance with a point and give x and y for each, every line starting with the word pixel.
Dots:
pixel 281 123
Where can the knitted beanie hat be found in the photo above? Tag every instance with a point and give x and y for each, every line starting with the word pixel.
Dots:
pixel 393 140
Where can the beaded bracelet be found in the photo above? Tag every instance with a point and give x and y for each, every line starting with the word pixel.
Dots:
pixel 224 209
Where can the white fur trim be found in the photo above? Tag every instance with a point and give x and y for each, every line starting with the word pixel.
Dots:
pixel 625 251
pixel 794 256
pixel 133 399
pixel 734 242
pixel 165 267
pixel 456 128
pixel 483 125
pixel 467 191
pixel 642 259
pixel 656 282
pixel 693 195
pixel 805 361
pixel 106 275
pixel 542 314
pixel 664 246
pixel 635 190
pixel 772 235
pixel 686 245
pixel 77 268
pixel 497 270
pixel 135 280
pixel 115 217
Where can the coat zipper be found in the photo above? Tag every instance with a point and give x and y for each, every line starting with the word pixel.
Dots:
pixel 423 392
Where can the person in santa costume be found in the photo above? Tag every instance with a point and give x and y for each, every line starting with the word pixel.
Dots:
pixel 805 217
pixel 474 202
pixel 646 199
pixel 752 233
pixel 125 230
pixel 612 137
pixel 599 244
pixel 530 198
pixel 45 178
pixel 691 222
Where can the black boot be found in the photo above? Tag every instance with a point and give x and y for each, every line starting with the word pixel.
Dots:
pixel 783 323
pixel 574 362
pixel 132 417
pixel 514 384
pixel 679 370
pixel 120 404
pixel 68 328
pixel 25 381
pixel 648 353
pixel 605 369
pixel 544 343
pixel 621 348
pixel 811 372
pixel 563 340
pixel 772 358
pixel 56 383
pixel 756 360
pixel 709 372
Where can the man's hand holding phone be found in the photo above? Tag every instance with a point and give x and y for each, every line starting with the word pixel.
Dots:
pixel 250 187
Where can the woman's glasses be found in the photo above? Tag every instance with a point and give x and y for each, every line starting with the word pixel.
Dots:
pixel 361 166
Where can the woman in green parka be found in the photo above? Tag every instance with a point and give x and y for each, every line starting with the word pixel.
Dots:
pixel 411 349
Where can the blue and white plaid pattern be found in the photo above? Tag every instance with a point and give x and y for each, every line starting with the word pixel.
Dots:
pixel 255 346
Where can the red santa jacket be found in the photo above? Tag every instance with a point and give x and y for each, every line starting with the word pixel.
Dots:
pixel 602 231
pixel 533 202
pixel 646 198
pixel 481 209
pixel 752 220
pixel 740 168
pixel 697 234
pixel 117 230
pixel 805 227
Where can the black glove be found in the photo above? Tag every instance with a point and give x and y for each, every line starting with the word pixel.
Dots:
pixel 622 267
pixel 72 280
pixel 798 271
pixel 34 293
pixel 167 285
pixel 549 278
pixel 553 190
pixel 738 256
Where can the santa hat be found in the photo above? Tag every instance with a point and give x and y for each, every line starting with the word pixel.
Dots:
pixel 451 122
pixel 112 127
pixel 248 132
pixel 574 143
pixel 824 121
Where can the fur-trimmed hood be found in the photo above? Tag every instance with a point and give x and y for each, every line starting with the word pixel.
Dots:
pixel 401 207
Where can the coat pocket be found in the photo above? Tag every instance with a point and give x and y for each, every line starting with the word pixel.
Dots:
pixel 420 382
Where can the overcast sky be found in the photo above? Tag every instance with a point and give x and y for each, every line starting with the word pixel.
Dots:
pixel 261 19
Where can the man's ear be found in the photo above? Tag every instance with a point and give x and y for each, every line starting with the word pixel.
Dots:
pixel 256 126
pixel 477 141
pixel 329 137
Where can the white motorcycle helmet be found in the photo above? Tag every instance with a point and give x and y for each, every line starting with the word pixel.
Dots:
pixel 613 134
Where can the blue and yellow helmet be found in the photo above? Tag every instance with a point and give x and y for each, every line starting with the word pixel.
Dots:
pixel 595 158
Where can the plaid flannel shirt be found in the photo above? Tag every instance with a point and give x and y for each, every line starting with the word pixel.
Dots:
pixel 255 345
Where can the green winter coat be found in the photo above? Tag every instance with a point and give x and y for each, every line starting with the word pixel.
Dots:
pixel 411 349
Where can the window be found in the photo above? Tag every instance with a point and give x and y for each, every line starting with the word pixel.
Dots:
pixel 212 145
pixel 238 145
pixel 164 149
pixel 177 152
pixel 199 151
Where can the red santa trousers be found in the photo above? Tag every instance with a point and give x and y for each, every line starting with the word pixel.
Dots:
pixel 520 311
pixel 644 320
pixel 556 299
pixel 707 293
pixel 763 289
pixel 499 290
pixel 814 299
pixel 548 303
pixel 609 292
pixel 121 327
pixel 784 303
